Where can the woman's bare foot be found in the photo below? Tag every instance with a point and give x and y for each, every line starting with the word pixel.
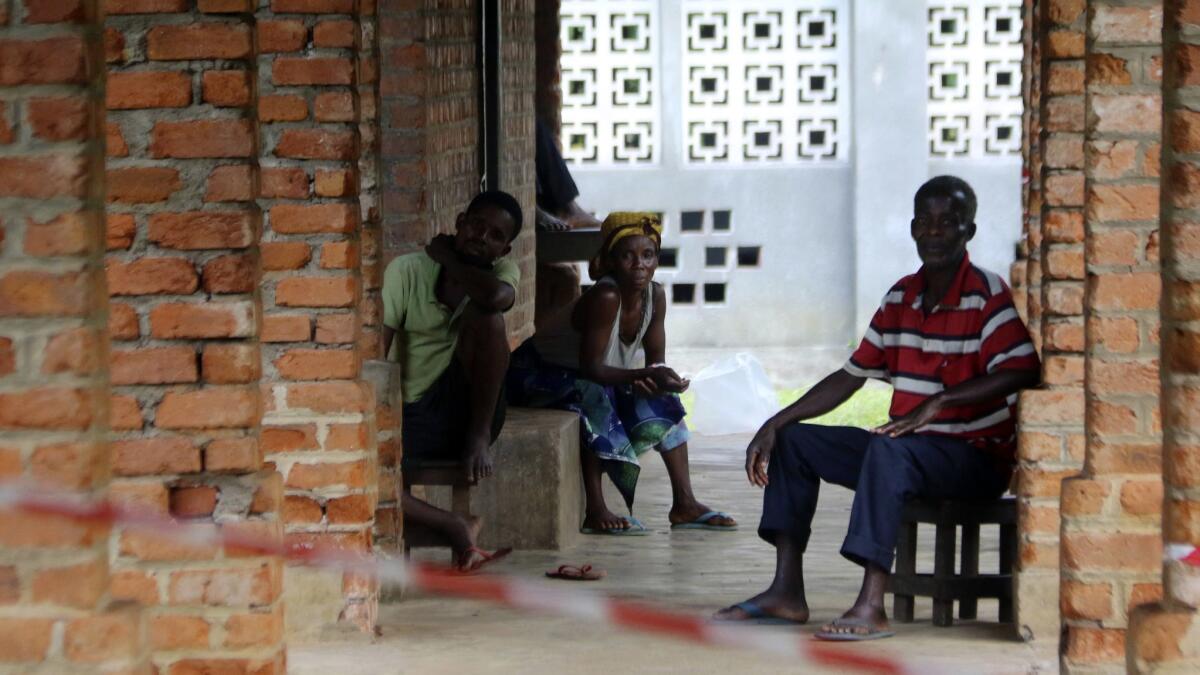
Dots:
pixel 463 539
pixel 603 519
pixel 773 605
pixel 689 512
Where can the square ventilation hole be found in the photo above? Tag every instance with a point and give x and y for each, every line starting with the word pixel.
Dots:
pixel 722 221
pixel 691 221
pixel 714 293
pixel 715 256
pixel 748 256
pixel 683 294
pixel 668 258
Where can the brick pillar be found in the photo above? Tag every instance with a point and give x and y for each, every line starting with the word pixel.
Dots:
pixel 56 612
pixel 1024 287
pixel 182 273
pixel 1163 636
pixel 1111 546
pixel 318 426
pixel 519 61
pixel 1050 440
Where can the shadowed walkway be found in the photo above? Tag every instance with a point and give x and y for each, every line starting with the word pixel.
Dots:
pixel 692 571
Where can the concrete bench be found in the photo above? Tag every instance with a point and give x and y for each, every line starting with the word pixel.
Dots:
pixel 534 499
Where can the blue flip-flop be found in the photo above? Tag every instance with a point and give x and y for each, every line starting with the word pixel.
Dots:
pixel 758 616
pixel 635 529
pixel 702 523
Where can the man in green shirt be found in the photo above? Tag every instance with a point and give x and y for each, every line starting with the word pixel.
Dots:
pixel 443 320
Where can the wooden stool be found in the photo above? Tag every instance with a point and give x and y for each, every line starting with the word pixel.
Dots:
pixel 437 473
pixel 944 586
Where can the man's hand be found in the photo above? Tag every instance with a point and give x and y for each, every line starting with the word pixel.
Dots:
pixel 441 248
pixel 758 454
pixel 478 461
pixel 919 417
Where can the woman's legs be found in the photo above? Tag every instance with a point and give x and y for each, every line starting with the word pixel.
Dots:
pixel 684 507
pixel 597 516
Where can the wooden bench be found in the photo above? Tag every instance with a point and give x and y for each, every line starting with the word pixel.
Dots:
pixel 944 586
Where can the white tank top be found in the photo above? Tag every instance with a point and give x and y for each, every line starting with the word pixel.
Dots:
pixel 558 342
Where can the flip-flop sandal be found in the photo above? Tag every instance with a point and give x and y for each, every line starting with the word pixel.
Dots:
pixel 758 616
pixel 484 559
pixel 702 523
pixel 852 622
pixel 635 529
pixel 573 573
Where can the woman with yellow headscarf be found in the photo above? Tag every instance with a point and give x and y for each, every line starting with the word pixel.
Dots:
pixel 591 358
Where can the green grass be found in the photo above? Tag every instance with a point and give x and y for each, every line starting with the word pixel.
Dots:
pixel 867 408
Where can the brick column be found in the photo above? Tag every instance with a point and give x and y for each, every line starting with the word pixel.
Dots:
pixel 519 76
pixel 1027 287
pixel 56 612
pixel 318 426
pixel 1110 539
pixel 1162 636
pixel 182 272
pixel 1050 441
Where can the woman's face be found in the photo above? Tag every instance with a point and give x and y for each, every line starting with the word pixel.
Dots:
pixel 633 261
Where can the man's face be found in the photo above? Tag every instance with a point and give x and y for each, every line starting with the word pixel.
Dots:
pixel 484 233
pixel 941 232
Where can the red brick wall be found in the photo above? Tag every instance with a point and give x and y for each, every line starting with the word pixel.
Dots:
pixel 519 76
pixel 183 270
pixel 1111 539
pixel 1050 442
pixel 1161 635
pixel 56 610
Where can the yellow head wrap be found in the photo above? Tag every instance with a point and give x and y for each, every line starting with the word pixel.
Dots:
pixel 619 225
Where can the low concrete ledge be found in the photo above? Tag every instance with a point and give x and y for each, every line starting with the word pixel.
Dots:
pixel 534 500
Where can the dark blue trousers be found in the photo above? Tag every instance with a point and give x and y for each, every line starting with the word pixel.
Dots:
pixel 883 472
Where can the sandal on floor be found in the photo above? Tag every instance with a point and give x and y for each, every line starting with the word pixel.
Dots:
pixel 635 529
pixel 702 523
pixel 573 573
pixel 484 559
pixel 872 633
pixel 758 616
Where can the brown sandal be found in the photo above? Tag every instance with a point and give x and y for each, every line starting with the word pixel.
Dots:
pixel 573 573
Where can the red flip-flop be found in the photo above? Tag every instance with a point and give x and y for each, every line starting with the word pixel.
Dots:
pixel 573 573
pixel 485 558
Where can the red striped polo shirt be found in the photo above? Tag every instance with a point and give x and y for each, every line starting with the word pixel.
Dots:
pixel 973 331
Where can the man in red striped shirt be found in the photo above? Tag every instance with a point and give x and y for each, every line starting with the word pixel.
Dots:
pixel 949 340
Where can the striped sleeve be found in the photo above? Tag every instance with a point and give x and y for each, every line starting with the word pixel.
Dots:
pixel 1004 341
pixel 869 360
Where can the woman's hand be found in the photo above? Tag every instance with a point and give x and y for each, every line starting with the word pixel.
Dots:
pixel 758 454
pixel 666 379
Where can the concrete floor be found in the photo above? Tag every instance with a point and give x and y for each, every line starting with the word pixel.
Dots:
pixel 694 572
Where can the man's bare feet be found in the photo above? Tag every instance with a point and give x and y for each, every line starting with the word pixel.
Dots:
pixel 603 519
pixel 688 513
pixel 463 539
pixel 771 605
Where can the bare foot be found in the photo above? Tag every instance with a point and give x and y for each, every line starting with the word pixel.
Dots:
pixel 463 539
pixel 773 605
pixel 687 513
pixel 603 519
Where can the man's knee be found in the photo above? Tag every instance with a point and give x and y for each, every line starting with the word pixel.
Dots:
pixel 479 323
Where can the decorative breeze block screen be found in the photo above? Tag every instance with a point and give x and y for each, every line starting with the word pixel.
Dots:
pixel 765 81
pixel 610 88
pixel 974 59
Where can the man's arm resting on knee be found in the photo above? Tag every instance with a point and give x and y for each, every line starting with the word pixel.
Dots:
pixel 990 387
pixel 828 394
pixel 482 286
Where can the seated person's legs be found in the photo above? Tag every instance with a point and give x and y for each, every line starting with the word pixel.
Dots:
pixel 803 456
pixel 684 507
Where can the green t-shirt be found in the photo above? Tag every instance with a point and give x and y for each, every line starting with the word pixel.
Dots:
pixel 426 330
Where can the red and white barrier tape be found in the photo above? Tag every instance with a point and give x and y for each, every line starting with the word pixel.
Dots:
pixel 520 594
pixel 1184 553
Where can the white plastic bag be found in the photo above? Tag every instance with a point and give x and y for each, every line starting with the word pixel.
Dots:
pixel 732 396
